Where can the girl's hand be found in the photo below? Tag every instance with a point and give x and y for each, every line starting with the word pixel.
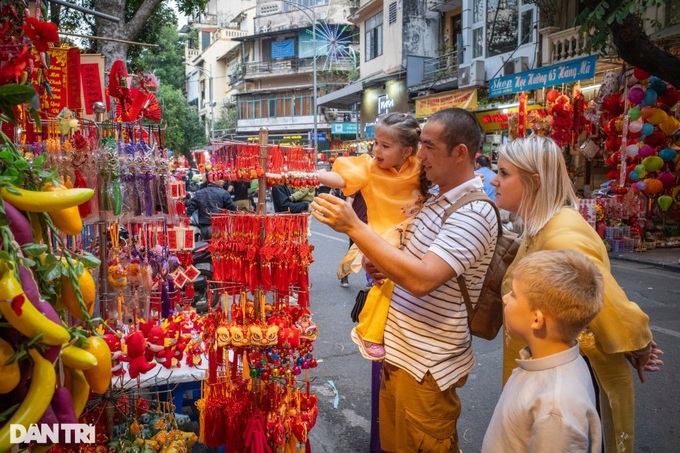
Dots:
pixel 646 359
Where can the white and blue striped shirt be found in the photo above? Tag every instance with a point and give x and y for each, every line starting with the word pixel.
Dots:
pixel 430 333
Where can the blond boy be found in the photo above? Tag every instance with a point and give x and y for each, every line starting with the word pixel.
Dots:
pixel 548 404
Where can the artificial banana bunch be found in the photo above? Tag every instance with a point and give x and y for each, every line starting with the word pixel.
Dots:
pixel 11 375
pixel 22 315
pixel 38 398
pixel 35 201
pixel 80 391
pixel 99 377
pixel 67 220
pixel 78 359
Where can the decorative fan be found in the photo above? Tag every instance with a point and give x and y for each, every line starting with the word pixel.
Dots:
pixel 143 104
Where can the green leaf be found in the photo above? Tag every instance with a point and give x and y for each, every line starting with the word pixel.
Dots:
pixel 89 260
pixel 37 119
pixel 5 256
pixel 38 161
pixel 34 249
pixel 53 271
pixel 16 94
pixel 8 111
pixel 6 414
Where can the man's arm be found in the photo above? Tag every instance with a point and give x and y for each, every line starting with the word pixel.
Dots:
pixel 419 276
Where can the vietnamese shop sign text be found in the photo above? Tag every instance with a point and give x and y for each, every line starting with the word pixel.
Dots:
pixel 568 72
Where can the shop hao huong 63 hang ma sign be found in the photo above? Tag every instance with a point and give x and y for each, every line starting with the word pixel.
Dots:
pixel 567 72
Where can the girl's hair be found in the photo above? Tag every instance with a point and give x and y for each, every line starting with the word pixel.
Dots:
pixel 403 127
pixel 406 132
pixel 540 155
pixel 565 284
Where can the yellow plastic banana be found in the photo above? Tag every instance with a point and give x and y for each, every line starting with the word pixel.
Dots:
pixel 67 220
pixel 20 313
pixel 80 391
pixel 37 201
pixel 39 396
pixel 77 358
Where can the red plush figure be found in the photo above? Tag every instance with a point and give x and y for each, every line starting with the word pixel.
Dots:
pixel 155 347
pixel 175 343
pixel 135 355
pixel 117 358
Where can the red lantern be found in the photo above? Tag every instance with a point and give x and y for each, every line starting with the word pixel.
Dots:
pixel 321 157
pixel 552 95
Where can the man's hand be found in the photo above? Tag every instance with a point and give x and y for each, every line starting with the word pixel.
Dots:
pixel 334 212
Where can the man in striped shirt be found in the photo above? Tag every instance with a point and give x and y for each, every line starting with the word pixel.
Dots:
pixel 428 351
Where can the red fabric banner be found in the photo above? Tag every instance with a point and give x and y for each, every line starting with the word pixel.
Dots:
pixel 92 86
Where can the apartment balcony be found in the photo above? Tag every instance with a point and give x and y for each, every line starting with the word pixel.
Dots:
pixel 190 54
pixel 277 68
pixel 441 68
pixel 445 5
pixel 562 45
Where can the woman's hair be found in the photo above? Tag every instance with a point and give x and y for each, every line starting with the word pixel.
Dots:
pixel 565 284
pixel 539 155
pixel 406 132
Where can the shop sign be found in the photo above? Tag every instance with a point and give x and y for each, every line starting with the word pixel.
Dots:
pixel 464 99
pixel 497 120
pixel 320 136
pixel 385 104
pixel 568 72
pixel 344 128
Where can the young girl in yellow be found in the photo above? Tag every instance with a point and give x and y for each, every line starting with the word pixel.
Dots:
pixel 390 183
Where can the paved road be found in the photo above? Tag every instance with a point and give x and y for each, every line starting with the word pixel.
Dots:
pixel 345 427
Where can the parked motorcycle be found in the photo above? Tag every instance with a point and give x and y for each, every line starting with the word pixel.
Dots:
pixel 202 259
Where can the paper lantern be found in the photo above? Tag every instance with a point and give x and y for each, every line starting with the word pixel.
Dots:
pixel 640 74
pixel 641 185
pixel 645 151
pixel 634 113
pixel 657 85
pixel 633 175
pixel 647 112
pixel 658 117
pixel 639 168
pixel 655 139
pixel 667 178
pixel 646 129
pixel 669 125
pixel 664 202
pixel 632 150
pixel 652 163
pixel 667 154
pixel 551 95
pixel 654 186
pixel 635 126
pixel 650 97
pixel 636 95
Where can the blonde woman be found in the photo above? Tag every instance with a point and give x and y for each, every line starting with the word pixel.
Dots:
pixel 533 183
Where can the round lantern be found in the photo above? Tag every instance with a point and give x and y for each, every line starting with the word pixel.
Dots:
pixel 667 154
pixel 654 186
pixel 552 95
pixel 666 178
pixel 632 150
pixel 650 97
pixel 635 126
pixel 658 117
pixel 633 175
pixel 657 85
pixel 634 113
pixel 321 157
pixel 647 112
pixel 645 151
pixel 636 95
pixel 641 185
pixel 652 163
pixel 655 139
pixel 646 129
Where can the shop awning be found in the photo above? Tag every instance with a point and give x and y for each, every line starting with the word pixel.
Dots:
pixel 342 98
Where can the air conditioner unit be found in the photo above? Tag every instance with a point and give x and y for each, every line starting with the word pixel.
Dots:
pixel 516 65
pixel 471 74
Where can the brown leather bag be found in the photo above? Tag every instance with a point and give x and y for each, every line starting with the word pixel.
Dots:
pixel 485 318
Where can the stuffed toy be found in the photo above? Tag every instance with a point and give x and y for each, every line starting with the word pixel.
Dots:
pixel 135 355
pixel 116 354
pixel 155 347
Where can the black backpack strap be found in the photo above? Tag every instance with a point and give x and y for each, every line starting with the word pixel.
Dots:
pixel 465 199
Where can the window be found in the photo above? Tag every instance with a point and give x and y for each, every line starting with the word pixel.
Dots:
pixel 393 12
pixel 374 36
pixel 502 18
pixel 205 40
pixel 478 10
pixel 526 27
pixel 478 42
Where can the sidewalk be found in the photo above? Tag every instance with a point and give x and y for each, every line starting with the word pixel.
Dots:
pixel 664 258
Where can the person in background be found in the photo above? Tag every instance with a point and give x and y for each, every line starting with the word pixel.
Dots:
pixel 428 353
pixel 548 403
pixel 211 199
pixel 483 168
pixel 391 187
pixel 282 198
pixel 240 190
pixel 533 183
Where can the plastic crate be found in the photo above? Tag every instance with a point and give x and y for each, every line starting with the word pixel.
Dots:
pixel 623 245
pixel 618 232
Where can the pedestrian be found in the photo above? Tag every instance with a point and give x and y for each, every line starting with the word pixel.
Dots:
pixel 428 352
pixel 548 403
pixel 390 184
pixel 240 191
pixel 483 168
pixel 211 199
pixel 282 197
pixel 533 183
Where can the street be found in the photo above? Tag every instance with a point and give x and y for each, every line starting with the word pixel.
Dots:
pixel 346 428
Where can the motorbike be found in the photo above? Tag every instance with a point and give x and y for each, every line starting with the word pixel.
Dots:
pixel 202 259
